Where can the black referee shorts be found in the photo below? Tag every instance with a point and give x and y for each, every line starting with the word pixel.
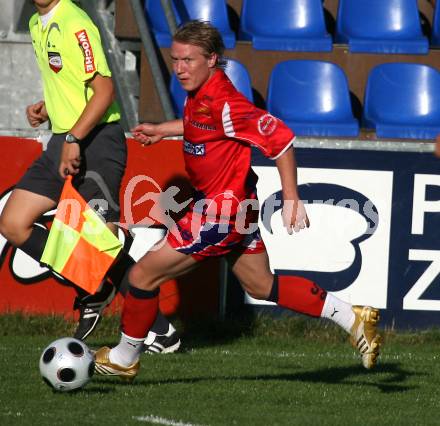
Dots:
pixel 103 161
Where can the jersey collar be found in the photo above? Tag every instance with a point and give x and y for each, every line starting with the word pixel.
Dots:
pixel 218 76
pixel 51 14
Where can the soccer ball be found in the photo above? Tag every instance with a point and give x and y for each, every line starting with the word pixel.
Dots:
pixel 67 364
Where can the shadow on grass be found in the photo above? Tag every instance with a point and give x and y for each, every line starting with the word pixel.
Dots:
pixel 394 382
pixel 95 388
pixel 208 332
pixel 212 332
pixel 347 376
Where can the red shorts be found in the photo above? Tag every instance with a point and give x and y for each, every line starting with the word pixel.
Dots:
pixel 194 235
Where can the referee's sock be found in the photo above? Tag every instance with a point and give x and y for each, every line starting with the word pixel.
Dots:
pixel 34 245
pixel 118 272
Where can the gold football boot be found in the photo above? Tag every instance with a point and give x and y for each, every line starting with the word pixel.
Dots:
pixel 104 367
pixel 364 336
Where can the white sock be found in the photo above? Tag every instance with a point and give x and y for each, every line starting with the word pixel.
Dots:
pixel 338 311
pixel 127 352
pixel 152 335
pixel 170 331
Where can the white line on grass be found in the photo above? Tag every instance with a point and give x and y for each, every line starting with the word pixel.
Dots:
pixel 161 421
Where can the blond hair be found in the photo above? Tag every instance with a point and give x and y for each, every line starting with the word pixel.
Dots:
pixel 204 35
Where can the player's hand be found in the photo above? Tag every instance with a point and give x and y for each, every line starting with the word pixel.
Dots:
pixel 36 114
pixel 294 216
pixel 146 133
pixel 70 159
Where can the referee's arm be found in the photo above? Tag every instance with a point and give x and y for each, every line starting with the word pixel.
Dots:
pixel 103 96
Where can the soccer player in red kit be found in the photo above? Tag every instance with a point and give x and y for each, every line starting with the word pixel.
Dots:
pixel 219 127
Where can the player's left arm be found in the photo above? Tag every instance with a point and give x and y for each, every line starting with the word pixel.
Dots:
pixel 294 213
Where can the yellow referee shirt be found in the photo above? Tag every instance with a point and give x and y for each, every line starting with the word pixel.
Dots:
pixel 69 53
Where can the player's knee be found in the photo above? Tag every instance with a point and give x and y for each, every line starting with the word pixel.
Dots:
pixel 11 230
pixel 139 278
pixel 135 276
pixel 258 294
pixel 257 290
pixel 256 283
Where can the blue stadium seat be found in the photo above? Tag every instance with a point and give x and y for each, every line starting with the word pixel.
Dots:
pixel 435 34
pixel 295 25
pixel 214 11
pixel 235 70
pixel 157 21
pixel 312 98
pixel 381 26
pixel 402 100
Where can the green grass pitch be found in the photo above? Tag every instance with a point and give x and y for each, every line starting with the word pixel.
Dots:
pixel 263 371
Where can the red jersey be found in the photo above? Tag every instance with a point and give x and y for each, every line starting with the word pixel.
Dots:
pixel 220 126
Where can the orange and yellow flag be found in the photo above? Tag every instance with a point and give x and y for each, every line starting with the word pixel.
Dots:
pixel 80 246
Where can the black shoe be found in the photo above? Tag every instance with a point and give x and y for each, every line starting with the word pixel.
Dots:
pixel 162 343
pixel 90 309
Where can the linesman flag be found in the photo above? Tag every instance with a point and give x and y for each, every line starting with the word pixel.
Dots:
pixel 80 247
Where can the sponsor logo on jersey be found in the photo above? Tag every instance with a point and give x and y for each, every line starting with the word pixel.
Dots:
pixel 194 149
pixel 202 126
pixel 84 43
pixel 203 106
pixel 203 110
pixel 55 61
pixel 267 124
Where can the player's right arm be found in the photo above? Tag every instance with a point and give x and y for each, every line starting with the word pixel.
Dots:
pixel 148 133
pixel 36 114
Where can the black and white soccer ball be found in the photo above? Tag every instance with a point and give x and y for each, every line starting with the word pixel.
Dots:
pixel 67 364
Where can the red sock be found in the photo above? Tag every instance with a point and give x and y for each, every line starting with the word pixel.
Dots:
pixel 300 295
pixel 139 312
